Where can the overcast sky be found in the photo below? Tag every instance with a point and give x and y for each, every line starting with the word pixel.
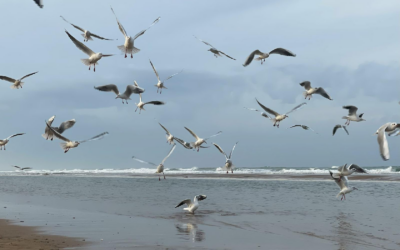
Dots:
pixel 351 48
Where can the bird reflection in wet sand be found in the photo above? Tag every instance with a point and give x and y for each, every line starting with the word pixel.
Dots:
pixel 190 231
pixel 344 232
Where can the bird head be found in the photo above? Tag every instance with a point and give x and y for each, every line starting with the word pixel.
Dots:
pixel 286 116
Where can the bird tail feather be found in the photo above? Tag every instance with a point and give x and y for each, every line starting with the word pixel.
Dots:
pixel 258 59
pixel 63 145
pixel 86 62
pixel 305 94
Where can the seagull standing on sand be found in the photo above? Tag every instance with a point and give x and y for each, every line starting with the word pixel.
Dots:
pixel 87 35
pixel 343 185
pixel 128 46
pixel 310 91
pixel 278 117
pixel 5 141
pixel 160 84
pixel 352 116
pixel 48 134
pixel 263 56
pixel 228 162
pixel 216 52
pixel 382 140
pixel 16 83
pixel 170 137
pixel 130 89
pixel 141 104
pixel 160 167
pixel 73 144
pixel 346 171
pixel 192 206
pixel 199 141
pixel 303 127
pixel 93 57
pixel 22 169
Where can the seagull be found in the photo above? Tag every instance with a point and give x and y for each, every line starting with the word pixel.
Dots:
pixel 93 57
pixel 310 91
pixel 141 104
pixel 262 113
pixel 170 137
pixel 16 83
pixel 5 141
pixel 262 55
pixel 21 168
pixel 343 184
pixel 352 115
pixel 48 134
pixel 160 167
pixel 339 126
pixel 346 171
pixel 187 145
pixel 39 3
pixel 392 129
pixel 278 117
pixel 192 206
pixel 128 46
pixel 304 127
pixel 87 35
pixel 73 144
pixel 160 84
pixel 216 52
pixel 130 89
pixel 199 141
pixel 382 141
pixel 228 162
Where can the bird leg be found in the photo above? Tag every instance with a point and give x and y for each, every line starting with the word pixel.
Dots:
pixel 94 67
pixel 163 175
pixel 131 55
pixel 342 197
pixel 125 54
pixel 159 178
pixel 89 66
pixel 232 171
pixel 198 149
pixel 126 101
pixel 227 172
pixel 136 109
pixel 274 124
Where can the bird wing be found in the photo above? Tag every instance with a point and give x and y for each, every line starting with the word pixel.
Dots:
pixel 183 143
pixel 170 152
pixel 383 144
pixel 251 57
pixel 201 197
pixel 108 88
pixel 306 85
pixel 234 146
pixel 132 89
pixel 203 41
pixel 141 161
pixel 50 121
pixel 100 37
pixel 11 136
pixel 16 167
pixel 336 128
pixel 29 75
pixel 192 133
pixel 341 168
pixel 188 202
pixel 220 150
pixel 66 125
pixel 226 55
pixel 282 51
pixel 8 79
pixel 267 109
pixel 296 108
pixel 76 27
pixel 169 77
pixel 295 126
pixel 80 45
pixel 155 103
pixel 39 3
pixel 341 182
pixel 143 31
pixel 252 109
pixel 25 168
pixel 322 92
pixel 121 28
pixel 58 135
pixel 218 133
pixel 352 109
pixel 135 83
pixel 357 169
pixel 345 129
pixel 155 71
pixel 166 130
pixel 95 138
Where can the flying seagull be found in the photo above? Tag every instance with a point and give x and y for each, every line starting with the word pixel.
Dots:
pixel 263 56
pixel 199 141
pixel 352 116
pixel 343 185
pixel 128 46
pixel 279 117
pixel 192 206
pixel 68 144
pixel 382 140
pixel 303 127
pixel 93 57
pixel 87 35
pixel 5 141
pixel 187 145
pixel 160 84
pixel 48 134
pixel 346 171
pixel 392 129
pixel 39 3
pixel 21 168
pixel 16 83
pixel 228 162
pixel 216 52
pixel 141 104
pixel 130 89
pixel 160 167
pixel 339 126
pixel 170 137
pixel 310 91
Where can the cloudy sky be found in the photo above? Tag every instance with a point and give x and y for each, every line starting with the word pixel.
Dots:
pixel 352 49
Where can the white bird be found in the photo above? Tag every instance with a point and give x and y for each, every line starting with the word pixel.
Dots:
pixel 216 52
pixel 93 57
pixel 382 140
pixel 39 3
pixel 352 116
pixel 192 206
pixel 343 185
pixel 16 83
pixel 303 127
pixel 310 91
pixel 187 145
pixel 87 35
pixel 199 141
pixel 160 84
pixel 339 126
pixel 130 89
pixel 48 134
pixel 262 113
pixel 160 167
pixel 141 104
pixel 73 144
pixel 22 168
pixel 228 162
pixel 279 117
pixel 128 46
pixel 392 129
pixel 170 137
pixel 263 56
pixel 5 141
pixel 346 171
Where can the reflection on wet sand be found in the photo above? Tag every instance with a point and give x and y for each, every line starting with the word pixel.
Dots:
pixel 189 231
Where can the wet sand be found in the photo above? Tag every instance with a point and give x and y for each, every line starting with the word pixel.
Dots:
pixel 13 237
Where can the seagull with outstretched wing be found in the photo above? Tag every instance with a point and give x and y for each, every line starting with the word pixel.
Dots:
pixel 130 89
pixel 17 83
pixel 228 162
pixel 262 56
pixel 192 206
pixel 160 84
pixel 87 35
pixel 48 134
pixel 217 53
pixel 310 91
pixel 199 141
